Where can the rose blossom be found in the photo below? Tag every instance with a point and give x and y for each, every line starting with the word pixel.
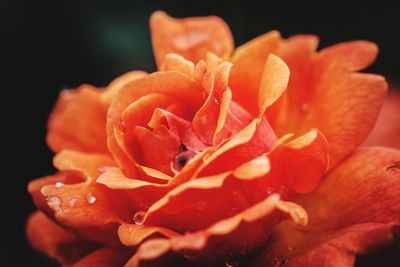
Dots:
pixel 222 156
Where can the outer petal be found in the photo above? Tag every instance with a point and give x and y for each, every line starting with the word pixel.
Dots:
pixel 326 93
pixel 68 126
pixel 105 257
pixel 352 211
pixel 191 38
pixel 387 128
pixel 241 233
pixel 56 242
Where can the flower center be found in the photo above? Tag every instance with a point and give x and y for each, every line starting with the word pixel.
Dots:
pixel 182 158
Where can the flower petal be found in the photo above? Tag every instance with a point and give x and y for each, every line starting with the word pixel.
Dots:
pixel 352 211
pixel 191 38
pixel 326 93
pixel 238 234
pixel 177 62
pixel 68 126
pixel 54 241
pixel 171 83
pixel 105 257
pixel 387 128
pixel 248 64
pixel 89 164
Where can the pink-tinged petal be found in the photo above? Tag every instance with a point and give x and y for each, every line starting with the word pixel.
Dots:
pixel 171 83
pixel 68 126
pixel 158 147
pixel 54 241
pixel 89 164
pixel 353 210
pixel 248 65
pixel 105 257
pixel 191 38
pixel 241 233
pixel 325 92
pixel 387 128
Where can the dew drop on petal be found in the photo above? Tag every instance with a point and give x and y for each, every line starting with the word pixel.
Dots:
pixel 71 202
pixel 59 184
pixel 138 217
pixel 90 198
pixel 54 203
pixel 216 101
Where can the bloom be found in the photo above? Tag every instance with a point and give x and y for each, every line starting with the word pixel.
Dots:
pixel 222 155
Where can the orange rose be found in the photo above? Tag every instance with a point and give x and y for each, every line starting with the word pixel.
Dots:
pixel 220 156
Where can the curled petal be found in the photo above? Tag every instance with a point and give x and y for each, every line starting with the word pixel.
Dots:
pixel 68 126
pixel 132 235
pixel 189 37
pixel 178 63
pixel 353 210
pixel 54 241
pixel 241 233
pixel 248 65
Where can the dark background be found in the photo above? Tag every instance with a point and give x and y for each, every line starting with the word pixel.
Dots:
pixel 50 45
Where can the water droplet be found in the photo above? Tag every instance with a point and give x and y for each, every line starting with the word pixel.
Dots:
pixel 54 203
pixel 216 101
pixel 71 202
pixel 59 184
pixel 291 248
pixel 305 107
pixel 138 217
pixel 279 261
pixel 90 198
pixel 121 126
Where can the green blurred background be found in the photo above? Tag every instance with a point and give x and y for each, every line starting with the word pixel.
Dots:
pixel 51 45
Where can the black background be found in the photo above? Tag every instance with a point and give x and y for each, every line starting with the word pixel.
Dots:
pixel 50 45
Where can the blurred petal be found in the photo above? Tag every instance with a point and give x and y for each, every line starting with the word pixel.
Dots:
pixel 176 62
pixel 191 38
pixel 105 257
pixel 68 126
pixel 352 211
pixel 54 241
pixel 387 128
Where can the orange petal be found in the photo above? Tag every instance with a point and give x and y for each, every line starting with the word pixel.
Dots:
pixel 326 93
pixel 191 38
pixel 274 80
pixel 241 233
pixel 68 126
pixel 89 209
pixel 171 83
pixel 248 64
pixel 178 63
pixel 353 210
pixel 105 257
pixel 133 235
pixel 387 128
pixel 54 241
pixel 89 164
pixel 108 94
